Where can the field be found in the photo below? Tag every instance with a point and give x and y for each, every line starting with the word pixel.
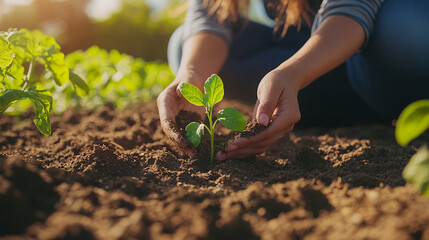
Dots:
pixel 112 174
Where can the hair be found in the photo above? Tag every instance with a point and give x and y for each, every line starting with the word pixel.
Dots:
pixel 288 12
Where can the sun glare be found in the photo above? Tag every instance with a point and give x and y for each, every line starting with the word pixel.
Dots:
pixel 102 9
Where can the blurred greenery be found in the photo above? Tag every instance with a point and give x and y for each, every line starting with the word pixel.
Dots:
pixel 112 77
pixel 134 29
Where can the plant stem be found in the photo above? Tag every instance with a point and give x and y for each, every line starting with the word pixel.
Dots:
pixel 29 73
pixel 209 113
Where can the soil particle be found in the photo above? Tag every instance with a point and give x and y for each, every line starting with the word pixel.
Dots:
pixel 113 174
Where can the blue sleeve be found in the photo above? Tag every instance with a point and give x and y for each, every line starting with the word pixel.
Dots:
pixel 363 11
pixel 197 20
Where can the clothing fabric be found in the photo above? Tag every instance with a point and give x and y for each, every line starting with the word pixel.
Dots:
pixel 391 71
pixel 363 11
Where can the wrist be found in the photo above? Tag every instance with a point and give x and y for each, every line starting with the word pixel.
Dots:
pixel 293 77
pixel 189 75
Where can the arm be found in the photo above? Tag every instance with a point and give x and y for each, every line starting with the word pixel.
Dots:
pixel 336 40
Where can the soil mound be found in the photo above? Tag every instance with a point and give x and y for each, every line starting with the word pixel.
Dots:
pixel 113 174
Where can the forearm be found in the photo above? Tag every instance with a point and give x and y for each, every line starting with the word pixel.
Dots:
pixel 203 54
pixel 336 40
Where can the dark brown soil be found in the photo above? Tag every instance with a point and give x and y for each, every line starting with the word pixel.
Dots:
pixel 110 174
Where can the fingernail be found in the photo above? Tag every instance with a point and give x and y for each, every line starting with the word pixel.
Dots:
pixel 220 156
pixel 264 119
pixel 231 147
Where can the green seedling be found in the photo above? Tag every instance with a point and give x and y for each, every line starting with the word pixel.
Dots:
pixel 413 121
pixel 229 117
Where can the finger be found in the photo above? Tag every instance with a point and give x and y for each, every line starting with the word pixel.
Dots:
pixel 190 152
pixel 280 126
pixel 165 107
pixel 268 97
pixel 174 134
pixel 267 137
pixel 255 109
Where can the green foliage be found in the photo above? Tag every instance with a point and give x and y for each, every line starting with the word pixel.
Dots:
pixel 194 132
pixel 192 94
pixel 21 51
pixel 229 117
pixel 413 121
pixel 111 77
pixel 41 99
pixel 417 170
pixel 136 29
pixel 232 119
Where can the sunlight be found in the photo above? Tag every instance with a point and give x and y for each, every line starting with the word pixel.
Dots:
pixel 101 9
pixel 18 2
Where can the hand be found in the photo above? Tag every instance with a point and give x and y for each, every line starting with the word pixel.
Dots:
pixel 170 102
pixel 277 105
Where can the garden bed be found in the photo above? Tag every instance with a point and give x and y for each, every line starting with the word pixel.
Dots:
pixel 112 174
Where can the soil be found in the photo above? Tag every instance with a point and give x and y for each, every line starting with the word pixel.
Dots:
pixel 113 174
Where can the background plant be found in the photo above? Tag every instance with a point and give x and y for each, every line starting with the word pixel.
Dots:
pixel 32 67
pixel 112 77
pixel 413 121
pixel 21 53
pixel 229 117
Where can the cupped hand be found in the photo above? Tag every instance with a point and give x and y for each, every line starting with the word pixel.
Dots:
pixel 277 107
pixel 170 102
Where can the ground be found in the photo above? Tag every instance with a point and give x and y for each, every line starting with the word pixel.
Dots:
pixel 112 174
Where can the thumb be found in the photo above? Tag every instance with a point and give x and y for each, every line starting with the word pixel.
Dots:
pixel 268 98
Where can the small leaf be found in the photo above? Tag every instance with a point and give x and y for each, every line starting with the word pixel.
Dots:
pixel 194 133
pixel 192 94
pixel 55 64
pixel 25 40
pixel 6 55
pixel 412 122
pixel 417 170
pixel 78 81
pixel 42 100
pixel 213 88
pixel 232 119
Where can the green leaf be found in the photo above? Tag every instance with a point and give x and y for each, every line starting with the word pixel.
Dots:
pixel 6 55
pixel 41 99
pixel 412 122
pixel 213 88
pixel 194 133
pixel 232 119
pixel 417 170
pixel 24 39
pixel 55 64
pixel 192 94
pixel 78 81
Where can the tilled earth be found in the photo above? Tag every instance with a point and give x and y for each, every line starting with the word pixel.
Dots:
pixel 112 174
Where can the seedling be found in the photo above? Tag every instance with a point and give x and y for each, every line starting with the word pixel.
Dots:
pixel 229 117
pixel 412 122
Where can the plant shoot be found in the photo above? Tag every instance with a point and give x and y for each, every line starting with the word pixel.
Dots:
pixel 213 93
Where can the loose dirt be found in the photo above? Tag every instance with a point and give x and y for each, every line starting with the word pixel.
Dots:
pixel 113 174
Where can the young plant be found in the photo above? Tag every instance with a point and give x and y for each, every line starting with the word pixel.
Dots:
pixel 20 53
pixel 413 121
pixel 229 117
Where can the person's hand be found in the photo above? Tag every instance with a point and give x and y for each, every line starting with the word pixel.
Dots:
pixel 276 107
pixel 170 102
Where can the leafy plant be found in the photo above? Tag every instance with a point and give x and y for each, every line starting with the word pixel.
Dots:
pixel 113 77
pixel 413 121
pixel 214 92
pixel 21 54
